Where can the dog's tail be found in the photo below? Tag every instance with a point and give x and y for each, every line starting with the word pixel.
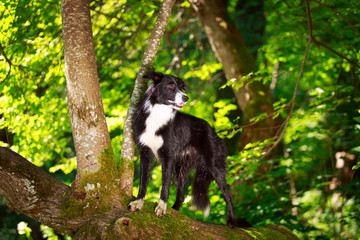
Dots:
pixel 200 199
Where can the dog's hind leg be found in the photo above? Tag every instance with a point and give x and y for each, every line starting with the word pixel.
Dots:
pixel 180 173
pixel 220 178
pixel 145 170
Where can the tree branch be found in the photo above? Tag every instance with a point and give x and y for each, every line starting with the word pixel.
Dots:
pixel 35 193
pixel 338 54
pixel 31 191
pixel 175 225
pixel 127 151
pixel 2 52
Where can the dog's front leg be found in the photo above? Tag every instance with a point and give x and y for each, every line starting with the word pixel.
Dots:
pixel 146 157
pixel 167 164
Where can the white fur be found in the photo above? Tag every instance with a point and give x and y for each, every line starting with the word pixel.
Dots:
pixel 178 97
pixel 160 115
pixel 206 211
pixel 160 210
pixel 136 205
pixel 178 102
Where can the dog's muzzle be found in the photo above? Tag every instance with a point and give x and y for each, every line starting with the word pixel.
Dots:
pixel 180 100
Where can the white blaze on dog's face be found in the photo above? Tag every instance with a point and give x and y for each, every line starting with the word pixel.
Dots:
pixel 169 91
pixel 180 100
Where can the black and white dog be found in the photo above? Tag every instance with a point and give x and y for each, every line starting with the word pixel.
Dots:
pixel 182 143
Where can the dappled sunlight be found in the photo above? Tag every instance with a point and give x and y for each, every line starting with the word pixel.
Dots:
pixel 290 118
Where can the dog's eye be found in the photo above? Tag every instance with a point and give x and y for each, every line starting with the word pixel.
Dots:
pixel 171 86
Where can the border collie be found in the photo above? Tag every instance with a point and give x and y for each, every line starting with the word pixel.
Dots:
pixel 182 143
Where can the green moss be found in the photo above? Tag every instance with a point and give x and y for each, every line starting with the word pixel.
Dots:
pixel 125 165
pixel 270 233
pixel 107 171
pixel 46 188
pixel 173 224
pixel 88 232
pixel 96 192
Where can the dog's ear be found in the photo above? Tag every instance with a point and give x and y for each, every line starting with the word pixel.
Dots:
pixel 182 85
pixel 185 87
pixel 155 76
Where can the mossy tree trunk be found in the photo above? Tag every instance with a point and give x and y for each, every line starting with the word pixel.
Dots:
pixel 96 187
pixel 86 113
pixel 230 49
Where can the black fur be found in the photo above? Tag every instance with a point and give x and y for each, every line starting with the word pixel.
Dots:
pixel 188 143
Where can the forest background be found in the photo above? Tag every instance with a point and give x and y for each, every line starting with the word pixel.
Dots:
pixel 304 176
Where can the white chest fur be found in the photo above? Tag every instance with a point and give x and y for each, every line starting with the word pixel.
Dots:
pixel 159 116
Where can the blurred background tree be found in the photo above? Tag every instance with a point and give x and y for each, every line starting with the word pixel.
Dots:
pixel 312 182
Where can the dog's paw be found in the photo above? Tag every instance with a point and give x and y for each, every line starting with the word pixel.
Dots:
pixel 238 222
pixel 136 205
pixel 160 210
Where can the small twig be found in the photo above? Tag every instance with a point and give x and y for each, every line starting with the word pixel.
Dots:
pixel 310 23
pixel 338 38
pixel 2 52
pixel 338 76
pixel 337 12
pixel 320 44
pixel 293 100
pixel 338 54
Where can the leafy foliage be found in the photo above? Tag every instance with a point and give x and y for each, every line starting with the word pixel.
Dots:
pixel 312 186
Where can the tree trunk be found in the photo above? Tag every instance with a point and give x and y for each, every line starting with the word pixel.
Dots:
pixel 87 117
pixel 96 188
pixel 128 145
pixel 229 47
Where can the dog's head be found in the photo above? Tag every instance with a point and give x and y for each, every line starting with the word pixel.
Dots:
pixel 167 89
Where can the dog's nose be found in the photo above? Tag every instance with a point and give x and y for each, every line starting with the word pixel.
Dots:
pixel 185 98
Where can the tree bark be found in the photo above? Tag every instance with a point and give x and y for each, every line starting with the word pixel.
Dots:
pixel 87 117
pixel 128 145
pixel 96 187
pixel 229 48
pixel 31 191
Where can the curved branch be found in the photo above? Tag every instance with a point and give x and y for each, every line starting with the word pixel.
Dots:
pixel 31 191
pixel 127 151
